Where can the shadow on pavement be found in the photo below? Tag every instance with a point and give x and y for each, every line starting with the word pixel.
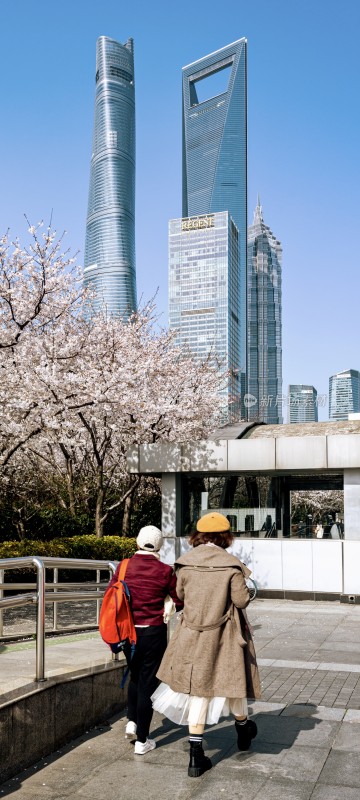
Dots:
pixel 275 733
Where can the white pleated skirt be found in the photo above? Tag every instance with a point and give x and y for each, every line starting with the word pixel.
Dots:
pixel 186 709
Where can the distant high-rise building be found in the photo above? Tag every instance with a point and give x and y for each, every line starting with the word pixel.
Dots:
pixel 110 229
pixel 264 400
pixel 215 151
pixel 203 292
pixel 344 394
pixel 302 403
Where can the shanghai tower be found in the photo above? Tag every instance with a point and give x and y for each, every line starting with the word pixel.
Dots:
pixel 109 267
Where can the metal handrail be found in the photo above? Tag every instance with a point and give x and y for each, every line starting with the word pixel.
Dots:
pixel 41 596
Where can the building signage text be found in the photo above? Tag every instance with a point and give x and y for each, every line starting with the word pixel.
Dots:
pixel 197 223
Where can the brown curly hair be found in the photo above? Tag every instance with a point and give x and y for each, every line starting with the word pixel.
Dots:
pixel 223 539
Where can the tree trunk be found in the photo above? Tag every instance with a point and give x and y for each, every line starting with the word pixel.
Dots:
pixel 128 504
pixel 69 479
pixel 20 524
pixel 99 511
pixel 70 486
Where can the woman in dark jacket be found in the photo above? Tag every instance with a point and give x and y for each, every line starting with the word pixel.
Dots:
pixel 149 582
pixel 209 668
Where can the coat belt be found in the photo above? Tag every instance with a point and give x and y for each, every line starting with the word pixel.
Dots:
pixel 210 627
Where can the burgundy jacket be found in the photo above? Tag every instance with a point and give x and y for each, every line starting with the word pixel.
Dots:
pixel 149 581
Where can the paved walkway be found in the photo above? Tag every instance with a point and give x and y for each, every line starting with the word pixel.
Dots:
pixel 308 745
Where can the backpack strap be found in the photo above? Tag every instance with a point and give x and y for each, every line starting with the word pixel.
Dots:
pixel 123 568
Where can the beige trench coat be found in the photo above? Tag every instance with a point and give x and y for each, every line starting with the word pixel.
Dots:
pixel 211 653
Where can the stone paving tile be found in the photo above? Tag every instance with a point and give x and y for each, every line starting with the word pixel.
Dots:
pixel 317 712
pixel 301 730
pixel 325 688
pixel 285 789
pixel 348 738
pixel 352 716
pixel 230 786
pixel 328 792
pixel 342 769
pixel 278 760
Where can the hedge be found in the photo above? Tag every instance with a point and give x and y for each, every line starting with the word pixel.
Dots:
pixel 112 548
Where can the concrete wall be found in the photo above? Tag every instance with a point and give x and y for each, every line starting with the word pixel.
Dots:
pixel 284 453
pixel 54 712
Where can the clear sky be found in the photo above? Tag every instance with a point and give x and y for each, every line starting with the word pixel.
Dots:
pixel 304 137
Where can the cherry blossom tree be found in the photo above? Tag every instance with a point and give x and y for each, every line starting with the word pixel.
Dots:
pixel 40 290
pixel 39 283
pixel 124 385
pixel 79 389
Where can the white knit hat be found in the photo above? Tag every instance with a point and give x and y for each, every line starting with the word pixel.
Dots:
pixel 150 538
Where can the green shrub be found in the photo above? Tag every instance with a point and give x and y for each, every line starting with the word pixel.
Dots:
pixel 109 548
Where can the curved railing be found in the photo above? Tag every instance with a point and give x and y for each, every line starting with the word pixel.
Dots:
pixel 40 597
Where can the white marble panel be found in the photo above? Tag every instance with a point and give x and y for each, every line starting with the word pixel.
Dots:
pixel 300 452
pixel 243 549
pixel 185 545
pixel 297 565
pixel 132 459
pixel 327 566
pixel 352 504
pixel 160 457
pixel 344 451
pixel 167 552
pixel 267 564
pixel 206 456
pixel 168 505
pixel 351 567
pixel 251 454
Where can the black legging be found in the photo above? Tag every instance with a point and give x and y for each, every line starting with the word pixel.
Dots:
pixel 150 648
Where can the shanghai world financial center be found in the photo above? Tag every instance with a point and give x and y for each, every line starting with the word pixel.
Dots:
pixel 214 188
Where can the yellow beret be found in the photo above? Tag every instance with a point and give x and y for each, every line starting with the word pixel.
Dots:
pixel 213 523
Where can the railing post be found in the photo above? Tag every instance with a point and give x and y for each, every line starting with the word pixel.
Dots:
pixel 2 578
pixel 40 621
pixel 55 607
pixel 99 600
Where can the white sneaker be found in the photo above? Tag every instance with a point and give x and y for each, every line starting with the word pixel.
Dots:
pixel 143 747
pixel 130 730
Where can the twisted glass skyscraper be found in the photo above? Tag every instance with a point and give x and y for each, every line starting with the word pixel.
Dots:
pixel 264 400
pixel 110 229
pixel 215 149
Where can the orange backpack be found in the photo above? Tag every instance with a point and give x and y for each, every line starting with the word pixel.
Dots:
pixel 116 624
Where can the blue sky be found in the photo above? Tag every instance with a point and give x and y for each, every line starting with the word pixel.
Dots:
pixel 303 126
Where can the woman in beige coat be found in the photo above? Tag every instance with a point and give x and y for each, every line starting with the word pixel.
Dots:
pixel 209 668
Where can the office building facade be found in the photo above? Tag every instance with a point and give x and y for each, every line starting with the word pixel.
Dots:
pixel 203 292
pixel 302 403
pixel 109 267
pixel 264 398
pixel 344 394
pixel 215 150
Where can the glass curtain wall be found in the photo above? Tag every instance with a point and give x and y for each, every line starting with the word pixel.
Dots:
pixel 110 229
pixel 215 150
pixel 203 294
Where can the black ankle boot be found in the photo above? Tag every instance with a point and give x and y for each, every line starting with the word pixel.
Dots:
pixel 245 733
pixel 199 762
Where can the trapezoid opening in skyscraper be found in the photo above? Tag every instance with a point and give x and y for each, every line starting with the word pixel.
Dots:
pixel 109 267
